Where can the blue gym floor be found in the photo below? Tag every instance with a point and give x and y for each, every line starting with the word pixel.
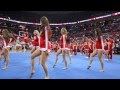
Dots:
pixel 19 68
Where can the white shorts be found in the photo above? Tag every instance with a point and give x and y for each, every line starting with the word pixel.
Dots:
pixel 18 45
pixel 64 48
pixel 67 48
pixel 44 49
pixel 8 46
pixel 100 50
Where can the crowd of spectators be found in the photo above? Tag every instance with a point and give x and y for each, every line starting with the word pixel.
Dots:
pixel 75 32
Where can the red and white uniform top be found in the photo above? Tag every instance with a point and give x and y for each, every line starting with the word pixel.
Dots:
pixel 44 37
pixel 91 45
pixel 63 41
pixel 86 45
pixel 6 43
pixel 68 46
pixel 106 46
pixel 75 44
pixel 111 42
pixel 12 40
pixel 56 45
pixel 99 43
pixel 71 47
pixel 49 45
pixel 26 39
pixel 35 41
pixel 80 46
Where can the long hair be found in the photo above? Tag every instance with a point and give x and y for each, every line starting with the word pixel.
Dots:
pixel 98 32
pixel 6 35
pixel 44 22
pixel 63 31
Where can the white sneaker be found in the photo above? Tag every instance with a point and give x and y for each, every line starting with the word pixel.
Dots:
pixel 101 70
pixel 32 72
pixel 4 68
pixel 47 78
pixel 106 59
pixel 65 68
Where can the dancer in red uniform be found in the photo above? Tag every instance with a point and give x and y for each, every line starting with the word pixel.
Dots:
pixel 106 49
pixel 36 42
pixel 86 46
pixel 80 48
pixel 111 44
pixel 26 41
pixel 62 48
pixel 4 50
pixel 91 46
pixel 99 49
pixel 71 48
pixel 45 35
pixel 68 49
pixel 75 45
pixel 56 46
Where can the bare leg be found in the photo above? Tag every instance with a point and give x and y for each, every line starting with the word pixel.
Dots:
pixel 33 49
pixel 64 58
pixel 44 57
pixel 100 59
pixel 34 54
pixel 92 58
pixel 68 53
pixel 106 54
pixel 58 52
pixel 6 56
pixel 39 59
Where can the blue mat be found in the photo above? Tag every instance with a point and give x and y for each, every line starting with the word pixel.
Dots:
pixel 19 68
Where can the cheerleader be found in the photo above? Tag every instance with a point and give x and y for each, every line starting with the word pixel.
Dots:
pixel 45 35
pixel 62 48
pixel 86 46
pixel 111 43
pixel 5 38
pixel 80 48
pixel 99 49
pixel 71 48
pixel 75 45
pixel 26 40
pixel 68 50
pixel 91 46
pixel 18 46
pixel 35 42
pixel 56 46
pixel 106 49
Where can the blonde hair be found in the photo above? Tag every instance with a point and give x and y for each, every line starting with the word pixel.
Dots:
pixel 37 32
pixel 63 31
pixel 6 35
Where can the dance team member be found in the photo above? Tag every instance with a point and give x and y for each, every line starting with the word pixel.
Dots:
pixel 99 49
pixel 45 35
